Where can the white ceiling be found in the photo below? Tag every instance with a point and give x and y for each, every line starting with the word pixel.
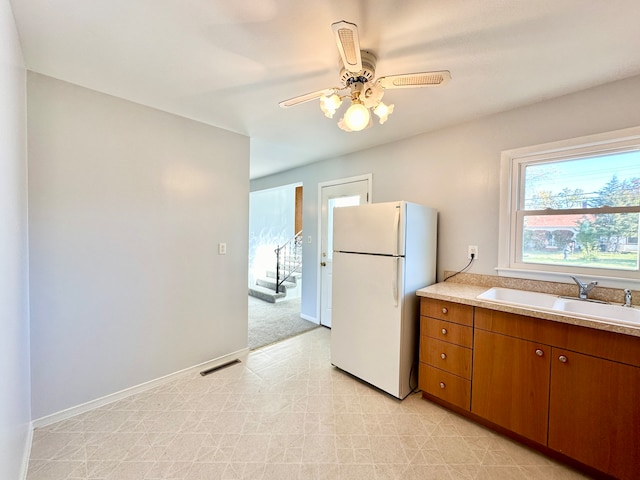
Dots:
pixel 229 62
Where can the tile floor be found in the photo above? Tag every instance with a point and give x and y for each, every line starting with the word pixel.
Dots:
pixel 284 413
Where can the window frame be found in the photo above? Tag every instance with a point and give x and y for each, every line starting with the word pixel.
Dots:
pixel 511 195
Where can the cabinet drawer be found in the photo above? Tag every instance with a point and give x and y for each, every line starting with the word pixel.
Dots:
pixel 446 356
pixel 446 386
pixel 452 312
pixel 447 331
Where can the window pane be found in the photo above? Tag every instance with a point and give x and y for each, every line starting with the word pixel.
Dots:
pixel 597 241
pixel 611 180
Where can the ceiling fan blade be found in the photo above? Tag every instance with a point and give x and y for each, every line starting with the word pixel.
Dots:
pixel 348 44
pixel 412 80
pixel 292 102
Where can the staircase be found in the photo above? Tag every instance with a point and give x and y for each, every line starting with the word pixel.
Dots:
pixel 287 274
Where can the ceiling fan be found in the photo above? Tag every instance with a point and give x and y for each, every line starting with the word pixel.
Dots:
pixel 357 77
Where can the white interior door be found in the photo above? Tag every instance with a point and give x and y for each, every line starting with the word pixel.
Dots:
pixel 332 196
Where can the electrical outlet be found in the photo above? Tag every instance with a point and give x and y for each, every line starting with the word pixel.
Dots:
pixel 222 249
pixel 472 249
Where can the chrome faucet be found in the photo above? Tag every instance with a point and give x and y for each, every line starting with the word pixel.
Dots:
pixel 627 297
pixel 584 288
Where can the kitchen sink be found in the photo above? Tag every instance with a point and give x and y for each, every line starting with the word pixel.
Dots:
pixel 519 298
pixel 604 312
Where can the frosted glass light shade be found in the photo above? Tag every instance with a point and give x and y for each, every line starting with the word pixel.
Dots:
pixel 330 104
pixel 357 117
pixel 383 111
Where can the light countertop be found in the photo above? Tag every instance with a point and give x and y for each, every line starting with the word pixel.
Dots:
pixel 466 294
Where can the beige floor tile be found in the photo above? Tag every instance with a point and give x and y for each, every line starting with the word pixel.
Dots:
pixel 284 413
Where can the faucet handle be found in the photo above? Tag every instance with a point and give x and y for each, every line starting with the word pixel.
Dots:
pixel 627 297
pixel 583 288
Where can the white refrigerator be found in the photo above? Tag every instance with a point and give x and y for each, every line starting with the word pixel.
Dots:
pixel 382 254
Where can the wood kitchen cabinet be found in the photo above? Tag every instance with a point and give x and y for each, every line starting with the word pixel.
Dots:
pixel 511 383
pixel 594 412
pixel 446 341
pixel 567 388
pixel 573 389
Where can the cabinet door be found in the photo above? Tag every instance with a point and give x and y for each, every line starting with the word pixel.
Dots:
pixel 510 384
pixel 594 412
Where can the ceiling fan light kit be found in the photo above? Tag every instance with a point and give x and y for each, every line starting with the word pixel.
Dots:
pixel 357 117
pixel 329 104
pixel 357 76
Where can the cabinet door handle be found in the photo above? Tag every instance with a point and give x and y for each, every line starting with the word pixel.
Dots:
pixel 442 385
pixel 563 359
pixel 443 356
pixel 444 331
pixel 539 352
pixel 444 310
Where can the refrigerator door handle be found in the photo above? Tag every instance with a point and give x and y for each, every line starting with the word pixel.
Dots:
pixel 394 285
pixel 397 230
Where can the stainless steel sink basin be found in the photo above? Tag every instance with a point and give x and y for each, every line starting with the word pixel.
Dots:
pixel 603 312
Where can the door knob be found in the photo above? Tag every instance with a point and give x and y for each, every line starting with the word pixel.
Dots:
pixel 323 264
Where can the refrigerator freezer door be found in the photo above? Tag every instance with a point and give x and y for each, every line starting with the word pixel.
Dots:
pixel 376 228
pixel 366 332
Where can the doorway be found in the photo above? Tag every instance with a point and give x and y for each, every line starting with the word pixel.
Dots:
pixel 335 194
pixel 275 220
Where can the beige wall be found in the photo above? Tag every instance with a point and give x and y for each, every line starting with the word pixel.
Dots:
pixel 456 170
pixel 127 205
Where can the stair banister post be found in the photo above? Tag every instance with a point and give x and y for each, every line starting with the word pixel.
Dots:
pixel 278 269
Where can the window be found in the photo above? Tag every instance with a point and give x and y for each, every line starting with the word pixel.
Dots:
pixel 572 207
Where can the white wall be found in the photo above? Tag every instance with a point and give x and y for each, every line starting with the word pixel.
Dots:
pixel 127 205
pixel 272 215
pixel 14 312
pixel 456 170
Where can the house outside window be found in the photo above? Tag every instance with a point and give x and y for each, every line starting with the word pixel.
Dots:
pixel 572 208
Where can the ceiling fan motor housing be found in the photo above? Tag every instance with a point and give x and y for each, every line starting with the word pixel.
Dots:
pixel 367 73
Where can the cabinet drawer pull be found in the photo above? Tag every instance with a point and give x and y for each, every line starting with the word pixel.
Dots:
pixel 444 331
pixel 443 356
pixel 539 352
pixel 563 359
pixel 442 385
pixel 444 310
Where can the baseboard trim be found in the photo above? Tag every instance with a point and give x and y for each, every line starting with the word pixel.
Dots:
pixel 27 453
pixel 127 392
pixel 309 318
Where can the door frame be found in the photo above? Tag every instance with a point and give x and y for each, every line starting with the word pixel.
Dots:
pixel 330 183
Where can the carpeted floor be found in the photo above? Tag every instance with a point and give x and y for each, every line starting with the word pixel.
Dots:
pixel 272 322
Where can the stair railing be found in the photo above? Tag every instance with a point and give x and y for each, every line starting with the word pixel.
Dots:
pixel 288 259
